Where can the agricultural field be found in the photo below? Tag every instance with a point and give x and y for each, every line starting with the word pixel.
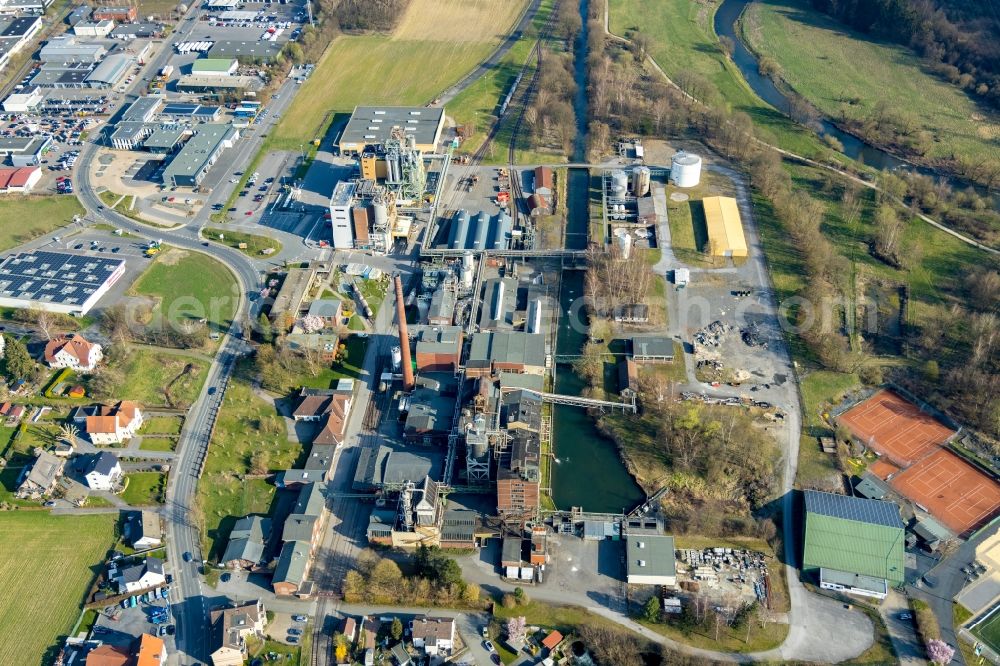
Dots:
pixel 247 424
pixel 189 287
pixel 682 39
pixel 845 73
pixel 23 218
pixel 59 550
pixel 436 43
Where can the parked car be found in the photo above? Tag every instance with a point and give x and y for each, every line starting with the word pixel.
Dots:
pixel 299 618
pixel 186 556
pixel 906 615
pixel 294 632
pixel 489 646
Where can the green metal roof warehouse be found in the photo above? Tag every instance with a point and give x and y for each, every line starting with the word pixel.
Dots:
pixel 853 535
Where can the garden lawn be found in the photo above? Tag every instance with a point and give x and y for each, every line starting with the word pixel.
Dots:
pixel 190 286
pixel 348 368
pixel 162 425
pixel 683 39
pixel 246 424
pixel 61 552
pixel 25 217
pixel 145 488
pixel 150 372
pixel 829 64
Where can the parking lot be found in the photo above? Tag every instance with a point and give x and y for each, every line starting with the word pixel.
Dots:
pixel 121 626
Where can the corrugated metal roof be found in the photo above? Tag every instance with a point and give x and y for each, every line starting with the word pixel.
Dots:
pixel 853 508
pixel 725 230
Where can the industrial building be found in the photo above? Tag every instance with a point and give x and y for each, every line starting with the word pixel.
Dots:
pixel 189 166
pixel 25 151
pixel 119 14
pixel 385 467
pixel 495 351
pixel 23 102
pixel 439 349
pixel 19 179
pixel 649 554
pixel 24 7
pixel 129 31
pixel 110 71
pixel 725 228
pixel 244 51
pixel 219 87
pixel 214 66
pixel 15 33
pixel 370 125
pixel 652 349
pixel 56 281
pixel 430 409
pixel 101 28
pixel 66 49
pixel 479 232
pixel 341 219
pixel 853 545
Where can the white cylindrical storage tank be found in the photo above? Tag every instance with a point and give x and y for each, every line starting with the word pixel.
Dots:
pixel 467 276
pixel 381 214
pixel 685 170
pixel 397 358
pixel 640 181
pixel 619 182
pixel 625 243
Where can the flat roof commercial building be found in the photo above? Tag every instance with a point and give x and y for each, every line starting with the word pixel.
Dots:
pixel 25 151
pixel 854 540
pixel 493 352
pixel 111 71
pixel 191 164
pixel 374 124
pixel 245 51
pixel 650 557
pixel 214 66
pixel 22 102
pixel 66 48
pixel 725 228
pixel 56 281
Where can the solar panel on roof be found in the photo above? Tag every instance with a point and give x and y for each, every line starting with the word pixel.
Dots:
pixel 875 512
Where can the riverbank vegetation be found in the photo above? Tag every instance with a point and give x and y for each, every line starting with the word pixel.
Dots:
pixel 877 90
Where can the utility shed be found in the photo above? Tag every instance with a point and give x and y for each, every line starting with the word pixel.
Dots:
pixel 725 229
pixel 853 536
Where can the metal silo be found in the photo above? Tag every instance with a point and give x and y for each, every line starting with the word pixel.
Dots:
pixel 619 183
pixel 640 181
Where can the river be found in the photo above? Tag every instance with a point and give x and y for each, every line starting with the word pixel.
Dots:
pixel 726 25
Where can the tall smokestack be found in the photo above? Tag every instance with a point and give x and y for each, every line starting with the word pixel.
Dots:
pixel 404 337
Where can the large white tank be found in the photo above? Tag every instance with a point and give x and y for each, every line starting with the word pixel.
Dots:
pixel 624 243
pixel 619 182
pixel 381 215
pixel 685 169
pixel 397 358
pixel 640 181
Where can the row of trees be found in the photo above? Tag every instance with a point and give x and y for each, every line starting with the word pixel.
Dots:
pixel 370 15
pixel 379 580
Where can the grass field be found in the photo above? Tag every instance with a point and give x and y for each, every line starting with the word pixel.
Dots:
pixel 988 631
pixel 828 64
pixel 349 368
pixel 150 372
pixel 25 217
pixel 162 425
pixel 683 39
pixel 62 551
pixel 436 43
pixel 145 488
pixel 190 286
pixel 167 444
pixel 246 424
pixel 255 245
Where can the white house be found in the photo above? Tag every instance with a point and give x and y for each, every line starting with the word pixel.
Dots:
pixel 73 351
pixel 113 425
pixel 139 577
pixel 230 629
pixel 145 530
pixel 436 635
pixel 104 471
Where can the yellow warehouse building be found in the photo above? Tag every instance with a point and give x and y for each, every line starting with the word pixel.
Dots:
pixel 725 229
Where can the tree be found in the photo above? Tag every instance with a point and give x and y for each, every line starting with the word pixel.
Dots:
pixel 19 363
pixel 939 652
pixel 340 651
pixel 260 462
pixel 396 631
pixel 727 45
pixel 264 325
pixel 651 609
pixel 311 323
pixel 294 52
pixel 516 629
pixel 470 594
pixel 354 587
pixel 520 596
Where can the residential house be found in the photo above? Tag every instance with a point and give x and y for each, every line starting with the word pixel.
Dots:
pixel 552 641
pixel 369 630
pixel 230 629
pixel 436 635
pixel 110 425
pixel 628 378
pixel 14 414
pixel 146 531
pixel 151 651
pixel 292 568
pixel 40 479
pixel 349 629
pixel 400 656
pixel 330 310
pixel 73 351
pixel 247 543
pixel 104 472
pixel 138 577
pixel 328 407
pixel 108 655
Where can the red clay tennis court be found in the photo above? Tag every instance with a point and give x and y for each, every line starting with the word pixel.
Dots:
pixel 952 490
pixel 895 427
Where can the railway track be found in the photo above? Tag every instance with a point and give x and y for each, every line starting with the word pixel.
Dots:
pixel 534 58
